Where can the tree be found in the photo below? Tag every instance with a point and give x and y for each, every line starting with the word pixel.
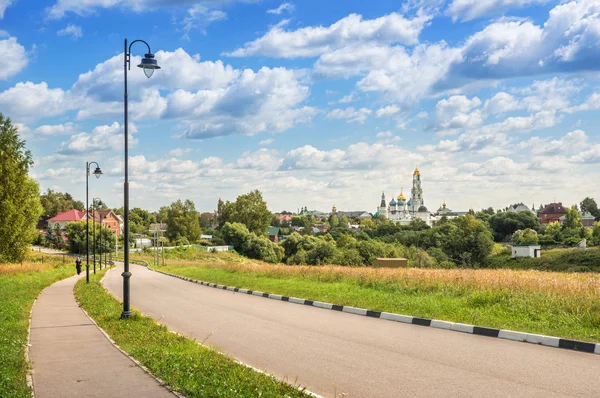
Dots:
pixel 589 205
pixel 333 221
pixel 465 240
pixel 505 224
pixel 525 237
pixel 251 210
pixel 572 218
pixel 182 221
pixel 54 202
pixel 204 221
pixel 20 206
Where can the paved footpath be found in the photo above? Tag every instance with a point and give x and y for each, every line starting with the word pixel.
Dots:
pixel 333 353
pixel 72 357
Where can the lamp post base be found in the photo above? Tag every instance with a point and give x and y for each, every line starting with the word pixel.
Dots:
pixel 126 314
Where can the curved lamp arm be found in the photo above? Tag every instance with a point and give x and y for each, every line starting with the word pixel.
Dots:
pixel 91 163
pixel 128 60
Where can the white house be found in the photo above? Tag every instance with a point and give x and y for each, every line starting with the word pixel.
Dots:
pixel 533 251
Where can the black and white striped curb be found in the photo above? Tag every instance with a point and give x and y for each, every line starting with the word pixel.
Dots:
pixel 549 341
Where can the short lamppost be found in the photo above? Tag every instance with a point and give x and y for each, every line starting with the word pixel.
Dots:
pixel 148 64
pixel 97 173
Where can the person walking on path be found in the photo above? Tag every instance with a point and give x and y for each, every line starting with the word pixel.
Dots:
pixel 78 265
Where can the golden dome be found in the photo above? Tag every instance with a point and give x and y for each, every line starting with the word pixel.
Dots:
pixel 444 204
pixel 402 197
pixel 417 172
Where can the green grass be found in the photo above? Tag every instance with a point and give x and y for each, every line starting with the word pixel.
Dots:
pixel 563 314
pixel 558 260
pixel 186 366
pixel 18 290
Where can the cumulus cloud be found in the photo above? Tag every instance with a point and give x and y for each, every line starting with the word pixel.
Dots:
pixel 500 103
pixel 56 129
pixel 14 57
pixel 289 7
pixel 387 111
pixel 101 139
pixel 199 17
pixel 4 4
pixel 30 101
pixel 466 10
pixel 86 7
pixel 455 112
pixel 316 40
pixel 350 114
pixel 71 30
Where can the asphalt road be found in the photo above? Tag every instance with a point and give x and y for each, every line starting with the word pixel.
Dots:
pixel 337 354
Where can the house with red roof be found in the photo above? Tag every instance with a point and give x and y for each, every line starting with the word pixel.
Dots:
pixel 62 219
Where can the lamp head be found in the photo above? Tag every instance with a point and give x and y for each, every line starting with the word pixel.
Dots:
pixel 97 172
pixel 148 64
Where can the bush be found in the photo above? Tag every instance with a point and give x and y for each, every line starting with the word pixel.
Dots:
pixel 250 245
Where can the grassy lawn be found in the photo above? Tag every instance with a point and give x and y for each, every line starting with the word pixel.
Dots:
pixel 20 284
pixel 566 260
pixel 186 366
pixel 558 304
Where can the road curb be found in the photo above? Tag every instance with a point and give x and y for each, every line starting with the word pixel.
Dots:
pixel 548 341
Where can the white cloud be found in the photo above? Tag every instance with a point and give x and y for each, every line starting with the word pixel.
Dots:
pixel 466 10
pixel 500 103
pixel 199 17
pixel 179 152
pixel 56 129
pixel 266 142
pixel 86 7
pixel 387 111
pixel 71 30
pixel 359 156
pixel 455 112
pixel 572 143
pixel 350 114
pixel 499 166
pixel 14 58
pixel 314 41
pixel 348 98
pixel 263 159
pixel 29 101
pixel 289 7
pixel 4 4
pixel 101 139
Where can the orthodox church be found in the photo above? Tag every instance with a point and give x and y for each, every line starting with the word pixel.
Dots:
pixel 403 211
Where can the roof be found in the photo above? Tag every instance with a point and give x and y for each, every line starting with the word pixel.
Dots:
pixel 554 208
pixel 274 231
pixel 352 214
pixel 71 215
pixel 518 208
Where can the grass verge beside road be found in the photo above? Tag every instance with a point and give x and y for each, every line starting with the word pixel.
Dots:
pixel 183 364
pixel 20 285
pixel 556 304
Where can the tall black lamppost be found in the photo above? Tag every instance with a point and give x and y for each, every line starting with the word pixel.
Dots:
pixel 97 173
pixel 149 64
pixel 94 207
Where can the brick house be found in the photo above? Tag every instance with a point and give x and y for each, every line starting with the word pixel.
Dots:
pixel 274 234
pixel 552 213
pixel 61 220
pixel 110 220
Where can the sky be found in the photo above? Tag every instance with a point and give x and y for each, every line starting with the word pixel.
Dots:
pixel 314 103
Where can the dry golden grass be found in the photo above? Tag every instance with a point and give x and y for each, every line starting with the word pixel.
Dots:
pixel 583 285
pixel 35 262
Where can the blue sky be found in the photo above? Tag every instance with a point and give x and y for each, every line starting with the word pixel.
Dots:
pixel 314 103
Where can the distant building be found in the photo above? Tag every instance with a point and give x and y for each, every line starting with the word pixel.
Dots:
pixel 444 211
pixel 533 251
pixel 274 234
pixel 518 208
pixel 109 220
pixel 587 219
pixel 552 213
pixel 350 214
pixel 315 213
pixel 402 211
